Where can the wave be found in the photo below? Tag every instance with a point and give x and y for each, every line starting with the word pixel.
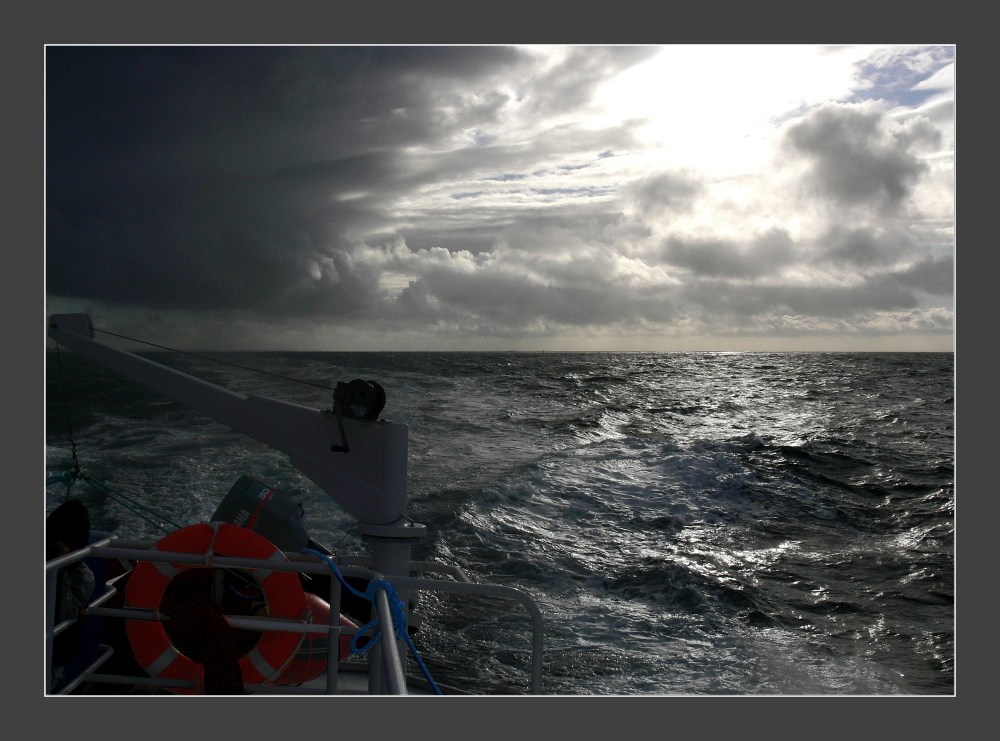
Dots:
pixel 688 521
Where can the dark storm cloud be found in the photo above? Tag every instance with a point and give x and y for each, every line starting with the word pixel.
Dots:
pixel 506 298
pixel 864 247
pixel 762 255
pixel 933 275
pixel 664 192
pixel 744 302
pixel 205 242
pixel 868 270
pixel 244 177
pixel 465 190
pixel 859 156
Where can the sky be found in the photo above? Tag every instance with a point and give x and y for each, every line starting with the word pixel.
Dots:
pixel 663 198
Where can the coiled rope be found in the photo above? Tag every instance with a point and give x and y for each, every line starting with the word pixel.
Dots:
pixel 396 608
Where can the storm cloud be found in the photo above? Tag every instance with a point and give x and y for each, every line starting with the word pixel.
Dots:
pixel 489 197
pixel 858 155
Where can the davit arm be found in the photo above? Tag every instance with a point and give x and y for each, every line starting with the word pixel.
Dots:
pixel 368 479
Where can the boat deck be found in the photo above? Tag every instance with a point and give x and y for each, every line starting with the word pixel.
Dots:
pixel 381 670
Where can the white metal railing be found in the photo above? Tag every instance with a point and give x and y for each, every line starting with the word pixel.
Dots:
pixel 385 666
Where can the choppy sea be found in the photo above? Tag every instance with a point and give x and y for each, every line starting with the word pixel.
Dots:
pixel 689 523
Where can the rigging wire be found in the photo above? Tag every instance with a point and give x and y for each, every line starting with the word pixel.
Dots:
pixel 216 360
pixel 148 514
pixel 77 473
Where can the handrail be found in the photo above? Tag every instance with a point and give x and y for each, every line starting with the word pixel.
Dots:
pixel 106 653
pixel 493 590
pixel 386 667
pixel 68 558
pixel 430 567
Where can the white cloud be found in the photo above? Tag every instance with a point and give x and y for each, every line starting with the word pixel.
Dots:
pixel 942 80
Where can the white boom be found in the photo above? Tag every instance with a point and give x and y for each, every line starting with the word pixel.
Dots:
pixel 368 479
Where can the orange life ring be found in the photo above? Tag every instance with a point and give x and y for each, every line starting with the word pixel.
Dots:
pixel 278 594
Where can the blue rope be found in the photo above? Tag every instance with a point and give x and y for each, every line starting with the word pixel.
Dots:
pixel 396 608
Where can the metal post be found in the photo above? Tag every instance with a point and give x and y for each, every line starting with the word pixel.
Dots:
pixel 390 556
pixel 51 588
pixel 333 656
pixel 395 677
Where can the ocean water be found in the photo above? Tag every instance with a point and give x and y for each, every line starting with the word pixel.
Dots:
pixel 689 523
